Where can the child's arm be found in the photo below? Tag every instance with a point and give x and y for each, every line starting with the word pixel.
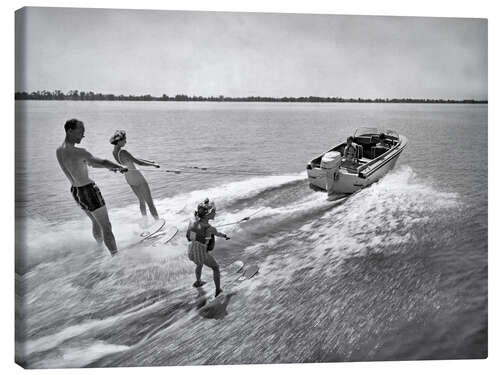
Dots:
pixel 213 231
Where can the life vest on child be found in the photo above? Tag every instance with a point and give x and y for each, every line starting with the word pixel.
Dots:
pixel 200 244
pixel 197 232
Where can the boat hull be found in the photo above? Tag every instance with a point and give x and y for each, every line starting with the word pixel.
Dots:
pixel 350 181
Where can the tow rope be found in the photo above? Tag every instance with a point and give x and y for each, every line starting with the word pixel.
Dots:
pixel 246 218
pixel 204 170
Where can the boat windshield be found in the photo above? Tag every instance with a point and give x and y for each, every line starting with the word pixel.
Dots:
pixel 392 133
pixel 375 131
pixel 366 131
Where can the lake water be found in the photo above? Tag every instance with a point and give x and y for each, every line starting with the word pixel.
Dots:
pixel 397 272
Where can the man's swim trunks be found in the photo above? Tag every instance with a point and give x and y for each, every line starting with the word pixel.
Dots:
pixel 88 197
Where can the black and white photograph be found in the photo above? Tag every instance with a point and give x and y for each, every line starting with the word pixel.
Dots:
pixel 228 188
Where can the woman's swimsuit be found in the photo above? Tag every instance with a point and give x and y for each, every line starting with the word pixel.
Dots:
pixel 133 176
pixel 88 197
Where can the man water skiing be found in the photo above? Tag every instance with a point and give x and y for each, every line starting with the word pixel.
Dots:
pixel 74 162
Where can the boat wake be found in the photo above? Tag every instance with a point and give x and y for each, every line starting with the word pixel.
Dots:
pixel 116 311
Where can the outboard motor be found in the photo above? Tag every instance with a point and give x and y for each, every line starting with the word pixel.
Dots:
pixel 330 162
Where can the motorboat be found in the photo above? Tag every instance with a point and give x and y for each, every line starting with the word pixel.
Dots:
pixel 376 155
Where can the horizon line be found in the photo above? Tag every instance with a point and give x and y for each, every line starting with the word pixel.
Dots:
pixel 77 95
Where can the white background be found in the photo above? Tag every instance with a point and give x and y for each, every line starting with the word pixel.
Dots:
pixel 476 9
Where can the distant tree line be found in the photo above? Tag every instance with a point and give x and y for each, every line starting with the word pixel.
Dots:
pixel 82 95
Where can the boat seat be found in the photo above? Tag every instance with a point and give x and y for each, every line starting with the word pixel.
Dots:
pixel 364 140
pixel 360 151
pixel 377 151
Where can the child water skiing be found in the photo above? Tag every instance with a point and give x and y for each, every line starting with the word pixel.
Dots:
pixel 201 236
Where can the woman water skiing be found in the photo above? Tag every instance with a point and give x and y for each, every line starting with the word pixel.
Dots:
pixel 202 240
pixel 134 177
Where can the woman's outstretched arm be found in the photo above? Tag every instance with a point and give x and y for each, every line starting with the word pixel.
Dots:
pixel 125 153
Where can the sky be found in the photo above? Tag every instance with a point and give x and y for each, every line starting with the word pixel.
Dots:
pixel 250 54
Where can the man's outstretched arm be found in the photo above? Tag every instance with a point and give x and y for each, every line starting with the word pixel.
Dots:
pixel 102 163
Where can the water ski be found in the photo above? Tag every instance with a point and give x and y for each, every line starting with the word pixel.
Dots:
pixel 152 230
pixel 236 266
pixel 249 272
pixel 165 235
